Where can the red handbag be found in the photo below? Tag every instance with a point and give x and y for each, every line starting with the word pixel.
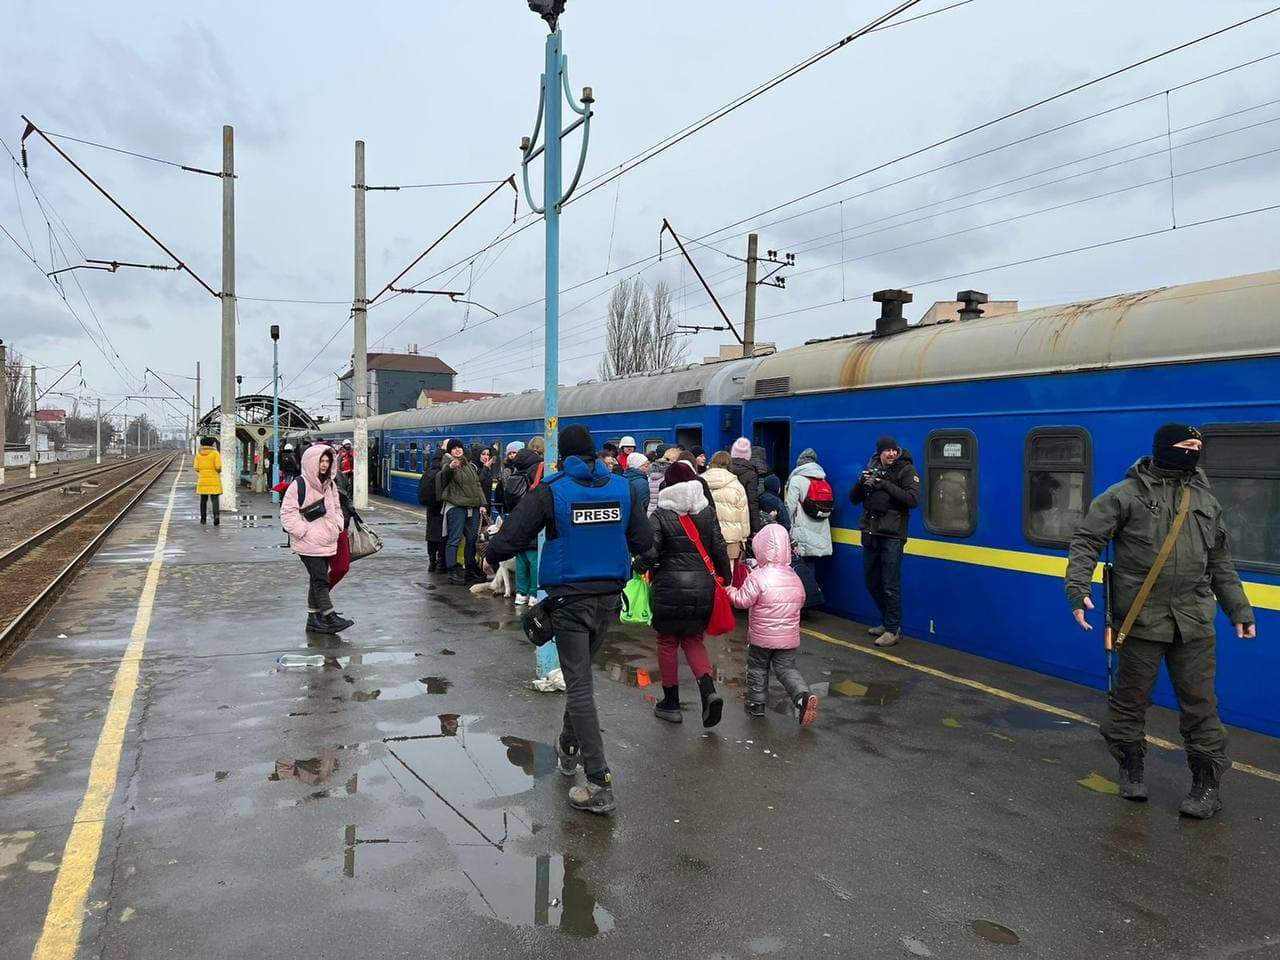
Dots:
pixel 340 562
pixel 740 573
pixel 722 617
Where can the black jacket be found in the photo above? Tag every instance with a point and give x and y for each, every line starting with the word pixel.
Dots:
pixel 682 590
pixel 523 471
pixel 429 497
pixel 887 496
pixel 748 474
pixel 536 512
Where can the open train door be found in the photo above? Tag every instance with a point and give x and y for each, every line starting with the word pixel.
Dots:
pixel 775 437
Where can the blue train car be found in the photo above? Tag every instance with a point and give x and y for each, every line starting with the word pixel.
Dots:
pixel 696 405
pixel 1015 422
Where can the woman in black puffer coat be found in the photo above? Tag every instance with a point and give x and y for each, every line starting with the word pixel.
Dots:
pixel 683 591
pixel 428 497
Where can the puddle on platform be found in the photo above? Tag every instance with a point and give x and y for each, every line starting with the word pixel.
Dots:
pixel 446 652
pixel 436 685
pixel 881 694
pixel 220 775
pixel 994 932
pixel 465 785
pixel 312 771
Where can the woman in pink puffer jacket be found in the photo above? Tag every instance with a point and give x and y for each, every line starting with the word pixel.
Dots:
pixel 774 595
pixel 316 541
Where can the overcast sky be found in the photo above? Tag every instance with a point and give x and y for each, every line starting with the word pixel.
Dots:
pixel 443 90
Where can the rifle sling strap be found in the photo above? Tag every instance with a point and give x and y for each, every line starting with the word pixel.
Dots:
pixel 1166 548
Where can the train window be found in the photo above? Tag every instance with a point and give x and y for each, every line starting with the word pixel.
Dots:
pixel 1057 484
pixel 652 444
pixel 951 473
pixel 1243 464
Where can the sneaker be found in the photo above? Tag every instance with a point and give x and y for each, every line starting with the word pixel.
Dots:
pixel 887 639
pixel 754 709
pixel 592 797
pixel 807 708
pixel 876 631
pixel 567 759
pixel 521 600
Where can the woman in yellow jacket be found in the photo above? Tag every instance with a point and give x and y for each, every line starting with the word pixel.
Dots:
pixel 208 464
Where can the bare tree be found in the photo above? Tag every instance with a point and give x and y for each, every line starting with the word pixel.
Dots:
pixel 640 331
pixel 17 405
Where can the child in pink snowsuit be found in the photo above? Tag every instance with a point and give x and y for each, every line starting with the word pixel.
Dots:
pixel 774 595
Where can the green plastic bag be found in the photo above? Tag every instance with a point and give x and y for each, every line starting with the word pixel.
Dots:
pixel 635 602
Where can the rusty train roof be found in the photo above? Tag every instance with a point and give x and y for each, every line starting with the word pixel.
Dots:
pixel 1217 319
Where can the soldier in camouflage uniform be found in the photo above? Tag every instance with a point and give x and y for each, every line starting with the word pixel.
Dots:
pixel 1176 623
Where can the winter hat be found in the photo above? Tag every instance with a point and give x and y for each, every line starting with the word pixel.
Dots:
pixel 576 441
pixel 206 441
pixel 453 443
pixel 886 443
pixel 697 452
pixel 679 472
pixel 346 443
pixel 741 449
pixel 515 446
pixel 627 442
pixel 1171 457
pixel 773 484
pixel 637 461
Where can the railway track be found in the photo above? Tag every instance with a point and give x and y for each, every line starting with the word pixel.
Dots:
pixel 11 493
pixel 33 571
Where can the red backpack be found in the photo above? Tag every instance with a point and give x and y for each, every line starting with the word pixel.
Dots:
pixel 819 502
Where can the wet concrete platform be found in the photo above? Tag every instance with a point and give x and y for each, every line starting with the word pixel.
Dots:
pixel 401 800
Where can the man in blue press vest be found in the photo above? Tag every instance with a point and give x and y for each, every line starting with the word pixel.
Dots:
pixel 594 528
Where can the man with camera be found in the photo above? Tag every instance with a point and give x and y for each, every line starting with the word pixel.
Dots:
pixel 594 527
pixel 887 490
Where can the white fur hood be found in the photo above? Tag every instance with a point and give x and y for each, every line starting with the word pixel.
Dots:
pixel 683 498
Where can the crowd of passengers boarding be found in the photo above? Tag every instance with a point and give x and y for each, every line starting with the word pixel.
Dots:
pixel 710 533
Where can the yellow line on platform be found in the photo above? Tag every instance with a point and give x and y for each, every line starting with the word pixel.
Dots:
pixel 1040 705
pixel 60 937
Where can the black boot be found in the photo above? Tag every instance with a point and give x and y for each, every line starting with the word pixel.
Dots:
pixel 316 625
pixel 432 565
pixel 668 708
pixel 335 623
pixel 1132 766
pixel 1202 801
pixel 457 576
pixel 712 703
pixel 476 575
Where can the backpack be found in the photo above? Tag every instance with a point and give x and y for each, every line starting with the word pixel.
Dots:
pixel 518 484
pixel 820 501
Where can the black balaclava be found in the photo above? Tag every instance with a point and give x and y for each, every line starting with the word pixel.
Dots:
pixel 1165 454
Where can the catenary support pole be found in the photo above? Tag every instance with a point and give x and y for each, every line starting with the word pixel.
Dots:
pixel 749 314
pixel 275 412
pixel 360 348
pixel 551 186
pixel 4 405
pixel 196 413
pixel 31 467
pixel 97 434
pixel 230 462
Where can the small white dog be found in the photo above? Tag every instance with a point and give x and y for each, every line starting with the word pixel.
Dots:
pixel 504 581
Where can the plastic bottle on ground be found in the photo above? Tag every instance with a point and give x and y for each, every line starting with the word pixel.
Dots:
pixel 298 660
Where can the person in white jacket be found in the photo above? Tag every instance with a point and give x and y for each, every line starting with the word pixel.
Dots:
pixel 811 536
pixel 730 500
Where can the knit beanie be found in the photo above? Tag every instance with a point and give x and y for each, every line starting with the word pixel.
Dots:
pixel 697 452
pixel 453 443
pixel 741 449
pixel 576 441
pixel 515 446
pixel 1166 455
pixel 636 460
pixel 886 443
pixel 679 472
pixel 206 441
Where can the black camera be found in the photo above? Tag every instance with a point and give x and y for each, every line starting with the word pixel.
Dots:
pixel 548 10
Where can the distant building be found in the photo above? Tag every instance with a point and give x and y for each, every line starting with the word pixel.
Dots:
pixel 430 397
pixel 51 415
pixel 396 381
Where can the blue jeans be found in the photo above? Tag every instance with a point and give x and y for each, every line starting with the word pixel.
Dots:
pixel 882 566
pixel 462 523
pixel 527 572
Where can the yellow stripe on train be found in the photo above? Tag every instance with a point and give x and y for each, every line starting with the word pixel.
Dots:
pixel 1262 595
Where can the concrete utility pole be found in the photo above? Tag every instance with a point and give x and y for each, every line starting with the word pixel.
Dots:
pixel 749 316
pixel 4 405
pixel 360 349
pixel 196 446
pixel 31 467
pixel 97 442
pixel 230 465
